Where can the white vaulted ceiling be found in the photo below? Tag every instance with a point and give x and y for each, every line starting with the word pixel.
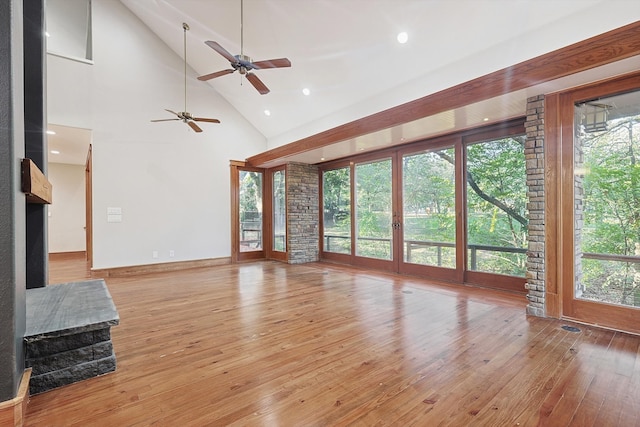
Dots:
pixel 346 53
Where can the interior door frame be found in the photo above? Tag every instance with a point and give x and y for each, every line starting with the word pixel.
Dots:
pixel 592 312
pixel 88 202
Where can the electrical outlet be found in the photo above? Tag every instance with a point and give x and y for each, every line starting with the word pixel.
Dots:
pixel 154 255
pixel 172 254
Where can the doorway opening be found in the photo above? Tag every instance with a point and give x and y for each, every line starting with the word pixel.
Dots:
pixel 69 170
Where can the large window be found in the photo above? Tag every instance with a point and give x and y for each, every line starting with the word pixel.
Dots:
pixel 452 208
pixel 428 195
pixel 336 216
pixel 598 214
pixel 496 206
pixel 279 237
pixel 373 209
pixel 250 227
pixel 607 199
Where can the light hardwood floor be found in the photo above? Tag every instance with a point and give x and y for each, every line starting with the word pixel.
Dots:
pixel 270 344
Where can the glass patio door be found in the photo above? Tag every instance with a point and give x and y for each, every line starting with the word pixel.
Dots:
pixel 374 216
pixel 405 213
pixel 247 209
pixel 603 284
pixel 429 212
pixel 451 208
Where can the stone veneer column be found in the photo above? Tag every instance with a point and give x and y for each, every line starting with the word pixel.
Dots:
pixel 302 213
pixel 534 155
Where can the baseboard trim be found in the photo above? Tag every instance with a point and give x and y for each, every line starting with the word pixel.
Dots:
pixel 56 256
pixel 12 412
pixel 135 270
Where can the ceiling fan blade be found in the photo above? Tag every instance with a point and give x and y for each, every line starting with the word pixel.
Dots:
pixel 172 112
pixel 216 74
pixel 272 63
pixel 222 51
pixel 202 119
pixel 194 126
pixel 257 83
pixel 165 120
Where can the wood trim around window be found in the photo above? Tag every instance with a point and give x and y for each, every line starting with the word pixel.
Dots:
pixel 552 214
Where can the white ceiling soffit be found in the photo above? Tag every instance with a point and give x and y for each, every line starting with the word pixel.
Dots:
pixel 481 113
pixel 68 145
pixel 346 53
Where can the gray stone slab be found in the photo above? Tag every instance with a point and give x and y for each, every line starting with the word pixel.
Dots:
pixel 69 308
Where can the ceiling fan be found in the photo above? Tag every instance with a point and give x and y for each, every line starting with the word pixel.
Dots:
pixel 185 116
pixel 243 63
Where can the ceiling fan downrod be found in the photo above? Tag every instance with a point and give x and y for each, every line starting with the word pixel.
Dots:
pixel 185 27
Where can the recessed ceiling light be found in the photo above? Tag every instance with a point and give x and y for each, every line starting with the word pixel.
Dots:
pixel 306 91
pixel 50 132
pixel 321 158
pixel 267 112
pixel 403 37
pixel 55 152
pixel 46 33
pixel 486 119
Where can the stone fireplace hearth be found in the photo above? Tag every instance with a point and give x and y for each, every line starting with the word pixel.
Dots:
pixel 68 334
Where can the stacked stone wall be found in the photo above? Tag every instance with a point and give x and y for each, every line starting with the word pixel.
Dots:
pixel 302 213
pixel 534 155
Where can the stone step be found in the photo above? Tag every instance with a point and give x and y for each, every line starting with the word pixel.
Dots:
pixel 68 333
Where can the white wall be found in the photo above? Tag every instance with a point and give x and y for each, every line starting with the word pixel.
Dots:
pixel 171 184
pixel 67 212
pixel 67 26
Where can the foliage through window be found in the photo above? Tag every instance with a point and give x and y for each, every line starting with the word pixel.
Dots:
pixel 373 209
pixel 607 199
pixel 417 207
pixel 279 211
pixel 429 212
pixel 496 206
pixel 250 211
pixel 336 201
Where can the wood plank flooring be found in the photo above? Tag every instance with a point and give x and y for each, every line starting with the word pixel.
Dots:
pixel 270 344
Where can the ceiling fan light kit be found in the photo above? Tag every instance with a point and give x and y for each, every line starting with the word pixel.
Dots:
pixel 243 63
pixel 185 116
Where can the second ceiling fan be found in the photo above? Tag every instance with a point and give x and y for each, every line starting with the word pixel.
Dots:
pixel 186 116
pixel 243 63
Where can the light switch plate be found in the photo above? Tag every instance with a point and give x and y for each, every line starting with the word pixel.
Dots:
pixel 114 211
